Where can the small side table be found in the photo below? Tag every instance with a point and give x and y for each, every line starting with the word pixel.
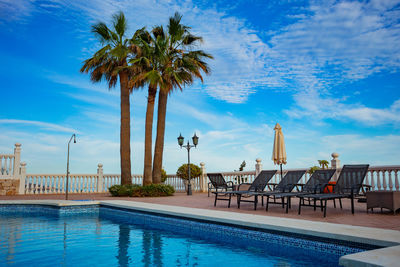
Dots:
pixel 383 199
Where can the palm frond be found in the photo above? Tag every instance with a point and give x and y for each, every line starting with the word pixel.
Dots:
pixel 119 23
pixel 102 32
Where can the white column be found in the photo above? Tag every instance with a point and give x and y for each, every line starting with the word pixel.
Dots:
pixel 22 176
pixel 17 160
pixel 258 167
pixel 335 164
pixel 100 179
pixel 203 178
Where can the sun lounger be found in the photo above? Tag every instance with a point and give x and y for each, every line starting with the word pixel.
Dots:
pixel 348 185
pixel 287 184
pixel 218 183
pixel 258 185
pixel 316 184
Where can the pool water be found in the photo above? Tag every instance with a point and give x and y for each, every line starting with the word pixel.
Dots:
pixel 109 237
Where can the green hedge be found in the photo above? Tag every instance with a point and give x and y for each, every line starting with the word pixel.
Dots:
pixel 152 190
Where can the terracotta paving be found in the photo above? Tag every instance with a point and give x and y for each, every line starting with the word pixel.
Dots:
pixel 377 219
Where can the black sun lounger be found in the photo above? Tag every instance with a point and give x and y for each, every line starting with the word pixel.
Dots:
pixel 348 185
pixel 287 184
pixel 316 184
pixel 258 185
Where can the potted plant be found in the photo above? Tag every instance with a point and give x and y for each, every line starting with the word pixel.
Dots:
pixel 182 172
pixel 241 178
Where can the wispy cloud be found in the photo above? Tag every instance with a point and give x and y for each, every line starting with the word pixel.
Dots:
pixel 43 125
pixel 328 43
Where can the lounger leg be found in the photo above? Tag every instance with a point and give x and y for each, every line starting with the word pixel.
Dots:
pixel 238 200
pixel 325 207
pixel 229 202
pixel 300 205
pixel 283 202
pixel 340 202
pixel 334 204
pixel 315 204
pixel 262 200
pixel 290 202
pixel 321 204
pixel 215 201
pixel 255 202
pixel 266 206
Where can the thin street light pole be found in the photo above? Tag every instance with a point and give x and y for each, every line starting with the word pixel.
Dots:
pixel 67 185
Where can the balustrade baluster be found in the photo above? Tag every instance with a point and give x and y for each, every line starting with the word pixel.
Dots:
pixel 378 180
pixel 396 180
pixel 372 180
pixel 390 181
pixel 384 183
pixel 368 178
pixel 40 188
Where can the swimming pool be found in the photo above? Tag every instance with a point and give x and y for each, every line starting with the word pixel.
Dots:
pixel 104 236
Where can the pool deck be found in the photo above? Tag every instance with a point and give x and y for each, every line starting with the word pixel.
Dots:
pixel 377 228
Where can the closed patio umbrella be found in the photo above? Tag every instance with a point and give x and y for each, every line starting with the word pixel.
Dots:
pixel 279 151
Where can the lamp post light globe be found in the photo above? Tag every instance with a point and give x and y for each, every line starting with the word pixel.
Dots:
pixel 195 140
pixel 180 140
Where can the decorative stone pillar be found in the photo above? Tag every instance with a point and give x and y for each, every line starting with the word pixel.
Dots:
pixel 335 164
pixel 203 178
pixel 258 166
pixel 22 176
pixel 100 179
pixel 17 160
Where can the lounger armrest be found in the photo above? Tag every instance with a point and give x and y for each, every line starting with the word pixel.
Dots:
pixel 365 188
pixel 287 187
pixel 210 185
pixel 229 183
pixel 271 186
pixel 299 187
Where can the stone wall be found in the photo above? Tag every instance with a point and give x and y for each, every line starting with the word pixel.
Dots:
pixel 9 187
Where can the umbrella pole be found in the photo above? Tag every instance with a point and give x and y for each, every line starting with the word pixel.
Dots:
pixel 281 172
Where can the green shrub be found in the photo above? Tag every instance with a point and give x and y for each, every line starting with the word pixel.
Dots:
pixel 163 175
pixel 152 190
pixel 182 172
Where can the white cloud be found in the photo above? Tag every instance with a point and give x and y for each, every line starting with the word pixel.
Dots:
pixel 43 125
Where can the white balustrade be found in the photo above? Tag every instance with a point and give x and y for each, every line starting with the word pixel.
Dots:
pixel 6 166
pixel 378 177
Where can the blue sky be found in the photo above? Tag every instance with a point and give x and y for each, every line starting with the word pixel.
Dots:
pixel 327 71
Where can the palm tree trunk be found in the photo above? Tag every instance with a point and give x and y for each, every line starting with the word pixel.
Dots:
pixel 147 173
pixel 159 147
pixel 125 133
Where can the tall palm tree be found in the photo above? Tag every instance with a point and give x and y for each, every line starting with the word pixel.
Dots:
pixel 178 66
pixel 147 68
pixel 110 63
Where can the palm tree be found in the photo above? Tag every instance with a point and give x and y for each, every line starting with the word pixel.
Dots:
pixel 146 66
pixel 110 63
pixel 323 163
pixel 178 66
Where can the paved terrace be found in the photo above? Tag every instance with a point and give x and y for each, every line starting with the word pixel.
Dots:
pixel 385 220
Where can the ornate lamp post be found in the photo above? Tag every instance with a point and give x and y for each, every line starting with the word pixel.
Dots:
pixel 66 192
pixel 188 147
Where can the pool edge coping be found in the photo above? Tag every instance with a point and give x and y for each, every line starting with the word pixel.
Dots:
pixel 389 239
